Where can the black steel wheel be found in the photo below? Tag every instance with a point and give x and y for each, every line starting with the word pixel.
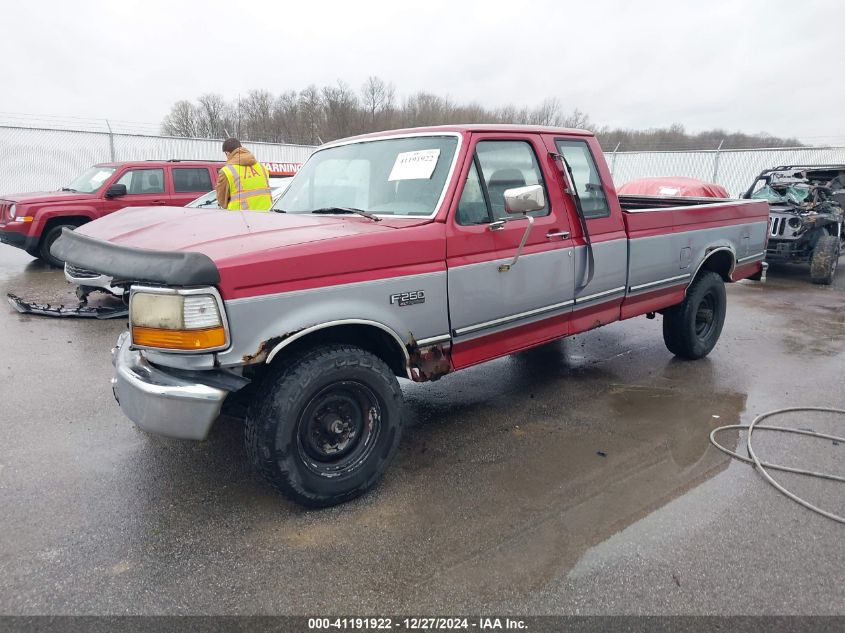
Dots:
pixel 339 428
pixel 325 424
pixel 692 328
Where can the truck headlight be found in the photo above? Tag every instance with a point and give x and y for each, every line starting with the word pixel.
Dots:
pixel 180 320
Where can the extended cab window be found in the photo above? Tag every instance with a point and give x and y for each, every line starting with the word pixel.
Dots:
pixel 143 181
pixel 504 165
pixel 587 179
pixel 189 179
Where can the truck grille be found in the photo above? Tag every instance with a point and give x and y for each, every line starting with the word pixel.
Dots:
pixel 4 212
pixel 80 273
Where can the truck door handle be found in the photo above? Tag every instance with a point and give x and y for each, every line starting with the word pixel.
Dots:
pixel 561 234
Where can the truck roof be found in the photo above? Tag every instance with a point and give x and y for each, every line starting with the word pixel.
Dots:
pixel 473 127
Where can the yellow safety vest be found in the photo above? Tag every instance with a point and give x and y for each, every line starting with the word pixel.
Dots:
pixel 248 187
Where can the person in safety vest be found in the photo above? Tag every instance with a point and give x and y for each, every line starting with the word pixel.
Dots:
pixel 242 183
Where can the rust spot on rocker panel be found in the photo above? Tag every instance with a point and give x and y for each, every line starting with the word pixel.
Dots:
pixel 429 363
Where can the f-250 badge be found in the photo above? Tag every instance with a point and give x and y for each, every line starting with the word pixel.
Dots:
pixel 407 298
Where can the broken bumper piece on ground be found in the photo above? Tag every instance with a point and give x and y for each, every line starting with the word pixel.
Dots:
pixel 79 311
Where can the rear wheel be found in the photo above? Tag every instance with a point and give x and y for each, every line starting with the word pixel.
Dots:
pixel 825 260
pixel 47 242
pixel 325 425
pixel 692 328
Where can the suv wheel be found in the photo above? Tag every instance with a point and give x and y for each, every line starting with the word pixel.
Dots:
pixel 825 259
pixel 325 425
pixel 47 242
pixel 692 328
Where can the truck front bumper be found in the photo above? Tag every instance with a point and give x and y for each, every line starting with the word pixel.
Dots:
pixel 159 402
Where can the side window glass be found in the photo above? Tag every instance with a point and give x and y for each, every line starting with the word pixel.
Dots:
pixel 586 176
pixel 505 165
pixel 143 181
pixel 472 208
pixel 191 179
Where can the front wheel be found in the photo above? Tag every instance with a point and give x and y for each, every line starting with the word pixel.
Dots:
pixel 47 242
pixel 692 328
pixel 325 425
pixel 825 259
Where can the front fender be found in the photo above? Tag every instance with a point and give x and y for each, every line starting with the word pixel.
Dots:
pixel 259 326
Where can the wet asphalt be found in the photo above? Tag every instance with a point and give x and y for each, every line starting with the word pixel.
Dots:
pixel 576 478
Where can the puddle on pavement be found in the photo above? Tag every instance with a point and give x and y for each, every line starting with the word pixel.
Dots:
pixel 486 499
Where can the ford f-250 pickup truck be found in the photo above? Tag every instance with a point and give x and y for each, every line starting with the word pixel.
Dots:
pixel 410 254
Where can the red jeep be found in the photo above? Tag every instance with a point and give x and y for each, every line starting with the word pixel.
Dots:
pixel 33 221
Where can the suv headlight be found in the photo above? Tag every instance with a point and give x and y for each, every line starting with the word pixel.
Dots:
pixel 13 210
pixel 179 320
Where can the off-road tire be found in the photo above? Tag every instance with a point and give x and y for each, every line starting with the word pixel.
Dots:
pixel 825 259
pixel 47 241
pixel 278 419
pixel 692 328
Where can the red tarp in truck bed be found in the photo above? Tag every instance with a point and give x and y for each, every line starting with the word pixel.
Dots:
pixel 673 186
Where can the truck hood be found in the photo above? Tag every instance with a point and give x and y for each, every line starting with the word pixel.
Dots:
pixel 47 196
pixel 222 235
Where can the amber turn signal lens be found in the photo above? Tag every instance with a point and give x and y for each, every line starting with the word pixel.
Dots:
pixel 179 339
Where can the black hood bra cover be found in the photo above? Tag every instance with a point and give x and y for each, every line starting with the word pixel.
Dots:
pixel 125 263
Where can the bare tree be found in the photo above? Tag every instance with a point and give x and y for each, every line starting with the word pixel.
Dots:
pixel 377 98
pixel 341 111
pixel 311 113
pixel 315 114
pixel 213 114
pixel 182 120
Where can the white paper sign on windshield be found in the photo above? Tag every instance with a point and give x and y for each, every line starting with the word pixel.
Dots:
pixel 418 165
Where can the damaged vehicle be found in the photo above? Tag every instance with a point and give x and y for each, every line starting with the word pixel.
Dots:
pixel 806 216
pixel 405 254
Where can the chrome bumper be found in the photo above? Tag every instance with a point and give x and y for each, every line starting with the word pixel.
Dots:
pixel 158 402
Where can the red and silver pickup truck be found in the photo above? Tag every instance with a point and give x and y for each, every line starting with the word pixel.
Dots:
pixel 410 254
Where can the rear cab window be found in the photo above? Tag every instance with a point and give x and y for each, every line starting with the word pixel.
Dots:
pixel 587 179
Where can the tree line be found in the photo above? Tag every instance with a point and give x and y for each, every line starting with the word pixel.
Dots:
pixel 316 115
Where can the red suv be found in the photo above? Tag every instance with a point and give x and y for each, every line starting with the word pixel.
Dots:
pixel 33 221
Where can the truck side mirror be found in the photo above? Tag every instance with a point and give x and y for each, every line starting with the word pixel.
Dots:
pixel 115 191
pixel 525 199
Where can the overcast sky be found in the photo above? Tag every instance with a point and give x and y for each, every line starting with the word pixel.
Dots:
pixel 753 66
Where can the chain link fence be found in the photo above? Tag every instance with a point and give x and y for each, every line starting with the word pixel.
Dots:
pixel 43 159
pixel 733 169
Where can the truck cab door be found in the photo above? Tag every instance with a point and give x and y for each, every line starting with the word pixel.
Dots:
pixel 600 281
pixel 145 187
pixel 497 306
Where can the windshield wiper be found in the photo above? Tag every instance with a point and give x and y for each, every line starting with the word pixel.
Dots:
pixel 69 189
pixel 366 214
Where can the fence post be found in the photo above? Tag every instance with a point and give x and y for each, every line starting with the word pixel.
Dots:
pixel 716 161
pixel 613 160
pixel 111 141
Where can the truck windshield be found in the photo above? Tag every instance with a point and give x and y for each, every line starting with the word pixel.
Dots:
pixel 91 180
pixel 399 176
